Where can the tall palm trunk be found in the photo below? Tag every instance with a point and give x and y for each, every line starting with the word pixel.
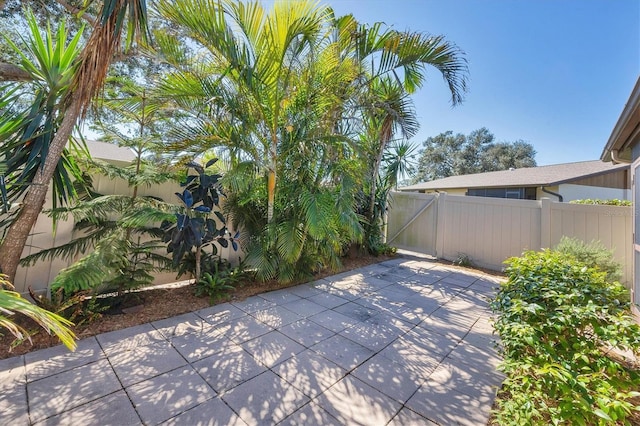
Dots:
pixel 17 234
pixel 88 79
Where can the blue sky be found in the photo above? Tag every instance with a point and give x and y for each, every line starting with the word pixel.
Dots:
pixel 554 73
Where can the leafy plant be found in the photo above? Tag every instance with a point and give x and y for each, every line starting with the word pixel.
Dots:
pixel 217 283
pixel 558 319
pixel 195 227
pixel 463 259
pixel 594 254
pixel 11 302
pixel 611 202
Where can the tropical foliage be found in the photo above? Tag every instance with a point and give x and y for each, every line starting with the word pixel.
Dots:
pixel 559 322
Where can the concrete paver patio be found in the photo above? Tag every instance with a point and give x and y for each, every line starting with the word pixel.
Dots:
pixel 403 342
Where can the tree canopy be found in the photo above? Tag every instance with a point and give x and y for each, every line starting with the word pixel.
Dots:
pixel 449 154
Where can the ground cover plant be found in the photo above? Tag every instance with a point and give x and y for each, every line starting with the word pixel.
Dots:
pixel 558 320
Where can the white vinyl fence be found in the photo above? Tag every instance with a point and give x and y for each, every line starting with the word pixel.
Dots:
pixel 490 230
pixel 40 275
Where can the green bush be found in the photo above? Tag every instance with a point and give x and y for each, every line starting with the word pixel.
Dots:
pixel 556 319
pixel 594 254
pixel 612 202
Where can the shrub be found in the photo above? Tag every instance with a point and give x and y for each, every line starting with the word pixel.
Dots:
pixel 594 254
pixel 557 318
pixel 612 202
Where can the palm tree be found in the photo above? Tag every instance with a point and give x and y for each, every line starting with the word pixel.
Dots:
pixel 92 66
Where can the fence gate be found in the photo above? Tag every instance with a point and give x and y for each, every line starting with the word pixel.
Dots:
pixel 411 223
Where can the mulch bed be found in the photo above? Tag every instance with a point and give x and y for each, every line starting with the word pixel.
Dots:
pixel 153 305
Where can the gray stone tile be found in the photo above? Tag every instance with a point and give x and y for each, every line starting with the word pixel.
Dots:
pixel 416 358
pixel 111 410
pixel 12 372
pixel 252 304
pixel 13 405
pixel 272 348
pixel 304 290
pixel 246 328
pixel 144 362
pixel 352 401
pixel 474 382
pixel 356 311
pixel 310 372
pixel 169 394
pixel 195 346
pixel 129 338
pixel 280 297
pixel 265 399
pixel 310 415
pixel 333 320
pixel 213 412
pixel 276 317
pixel 397 293
pixel 220 314
pixel 47 362
pixel 449 407
pixel 342 351
pixel 432 341
pixel 328 300
pixel 64 391
pixel 441 326
pixel 393 379
pixel 485 358
pixel 305 308
pixel 182 324
pixel 228 368
pixel 374 336
pixel 407 417
pixel 306 332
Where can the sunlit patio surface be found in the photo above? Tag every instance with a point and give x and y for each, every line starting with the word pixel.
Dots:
pixel 403 342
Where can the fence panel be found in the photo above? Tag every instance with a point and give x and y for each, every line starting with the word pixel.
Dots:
pixel 490 230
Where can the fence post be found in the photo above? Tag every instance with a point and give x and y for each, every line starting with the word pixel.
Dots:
pixel 441 199
pixel 545 223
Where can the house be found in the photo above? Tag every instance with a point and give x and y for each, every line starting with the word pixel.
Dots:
pixel 623 147
pixel 560 182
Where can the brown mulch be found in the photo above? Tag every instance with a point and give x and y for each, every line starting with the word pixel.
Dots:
pixel 155 304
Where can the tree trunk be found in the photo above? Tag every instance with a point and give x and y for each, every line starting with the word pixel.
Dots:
pixel 374 183
pixel 18 232
pixel 271 181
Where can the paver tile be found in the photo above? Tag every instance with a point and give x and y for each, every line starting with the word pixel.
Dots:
pixel 306 332
pixel 272 348
pixel 393 379
pixel 47 362
pixel 141 363
pixel 310 415
pixel 54 394
pixel 220 314
pixel 252 304
pixel 265 399
pixel 228 368
pixel 356 311
pixel 449 407
pixel 352 401
pixel 310 372
pixel 280 297
pixel 12 372
pixel 213 412
pixel 342 351
pixel 407 417
pixel 328 300
pixel 111 410
pixel 195 346
pixel 246 328
pixel 13 405
pixel 129 338
pixel 333 320
pixel 305 308
pixel 304 290
pixel 276 317
pixel 169 394
pixel 181 324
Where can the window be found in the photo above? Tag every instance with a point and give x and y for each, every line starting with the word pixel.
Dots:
pixel 528 193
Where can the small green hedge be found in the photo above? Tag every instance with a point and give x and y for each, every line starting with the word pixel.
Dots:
pixel 556 317
pixel 612 202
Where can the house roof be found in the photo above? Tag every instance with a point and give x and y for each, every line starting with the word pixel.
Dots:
pixel 109 152
pixel 530 176
pixel 626 132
